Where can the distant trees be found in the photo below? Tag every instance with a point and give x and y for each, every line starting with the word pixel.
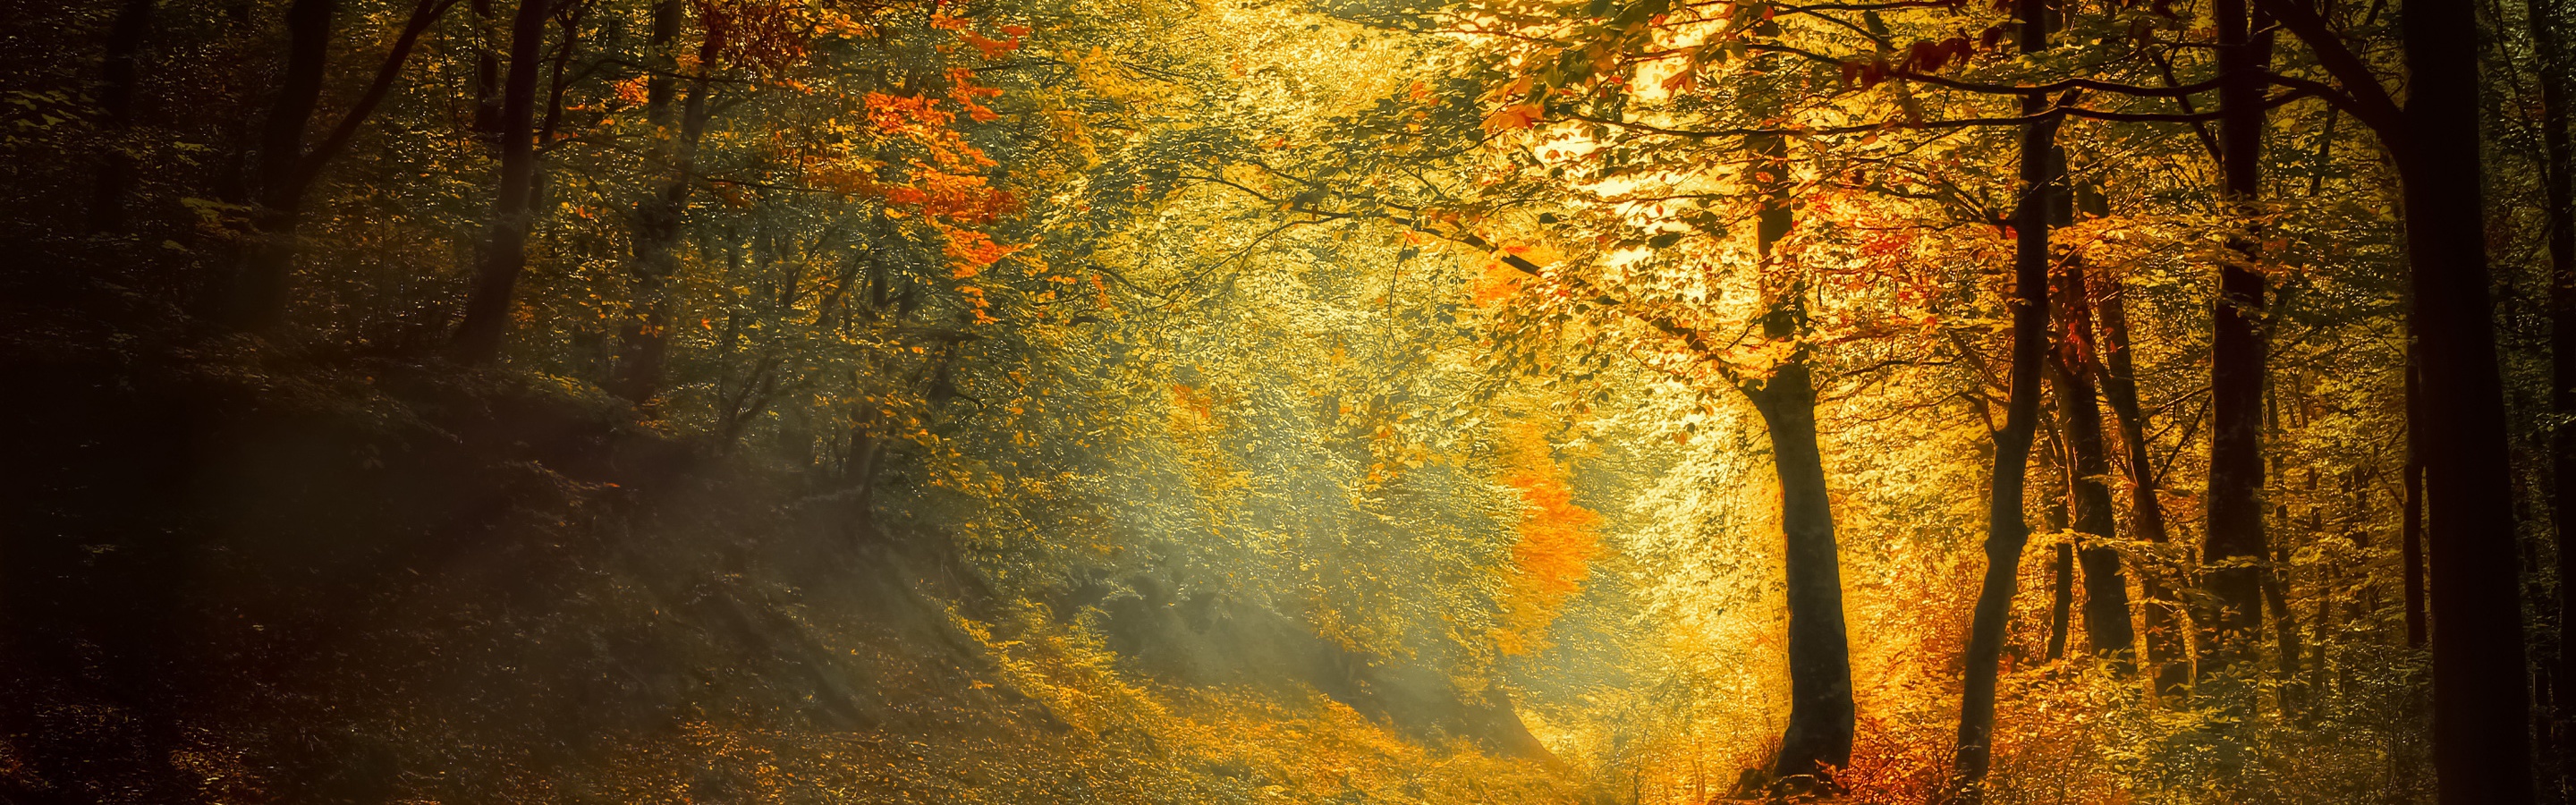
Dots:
pixel 559 95
pixel 644 341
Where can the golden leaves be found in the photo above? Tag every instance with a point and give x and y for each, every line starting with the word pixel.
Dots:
pixel 1557 541
pixel 1515 117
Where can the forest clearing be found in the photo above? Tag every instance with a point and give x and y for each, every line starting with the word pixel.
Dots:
pixel 1615 402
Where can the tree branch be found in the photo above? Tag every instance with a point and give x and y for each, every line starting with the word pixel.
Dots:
pixel 2053 113
pixel 425 13
pixel 2371 101
pixel 2060 85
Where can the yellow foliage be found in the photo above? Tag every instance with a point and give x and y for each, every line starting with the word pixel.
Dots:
pixel 1557 542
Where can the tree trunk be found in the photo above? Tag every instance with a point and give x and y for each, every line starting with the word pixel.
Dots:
pixel 636 369
pixel 2107 628
pixel 2146 511
pixel 644 342
pixel 2321 628
pixel 116 102
pixel 505 255
pixel 2481 736
pixel 287 171
pixel 2285 634
pixel 2006 532
pixel 487 78
pixel 2061 564
pixel 2288 652
pixel 1819 733
pixel 552 122
pixel 308 32
pixel 2235 535
pixel 257 299
pixel 2559 180
pixel 2412 538
pixel 660 63
pixel 2061 608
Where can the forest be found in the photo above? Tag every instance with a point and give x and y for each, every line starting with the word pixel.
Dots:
pixel 1599 402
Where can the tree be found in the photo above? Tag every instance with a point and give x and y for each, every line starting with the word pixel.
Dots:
pixel 286 171
pixel 2061 560
pixel 116 98
pixel 2072 370
pixel 2480 698
pixel 2558 178
pixel 2146 510
pixel 2480 689
pixel 505 253
pixel 1819 733
pixel 2233 548
pixel 2006 531
pixel 644 342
